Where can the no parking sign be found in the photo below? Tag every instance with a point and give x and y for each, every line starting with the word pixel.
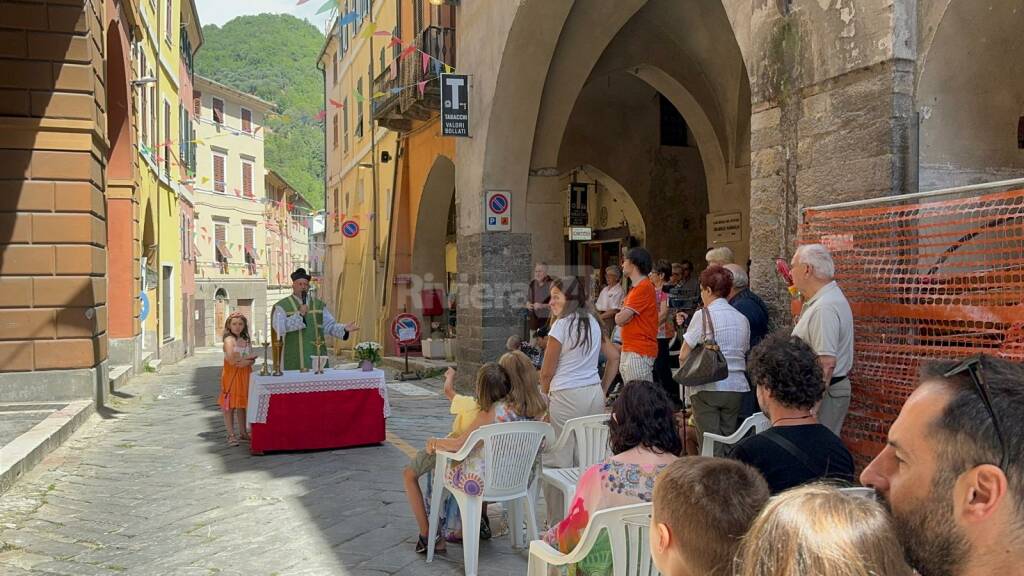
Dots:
pixel 350 229
pixel 405 329
pixel 497 211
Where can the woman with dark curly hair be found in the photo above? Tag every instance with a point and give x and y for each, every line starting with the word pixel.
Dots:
pixel 644 440
pixel 797 449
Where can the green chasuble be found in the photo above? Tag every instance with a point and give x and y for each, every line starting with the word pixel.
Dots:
pixel 300 343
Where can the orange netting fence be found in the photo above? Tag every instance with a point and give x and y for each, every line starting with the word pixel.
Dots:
pixel 941 278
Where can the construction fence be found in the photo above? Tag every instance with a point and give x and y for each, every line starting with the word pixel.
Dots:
pixel 930 275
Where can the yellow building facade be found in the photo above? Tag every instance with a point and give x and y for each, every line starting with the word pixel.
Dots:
pixel 230 210
pixel 360 174
pixel 162 180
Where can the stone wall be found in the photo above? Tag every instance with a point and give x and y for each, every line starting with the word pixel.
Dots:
pixel 52 216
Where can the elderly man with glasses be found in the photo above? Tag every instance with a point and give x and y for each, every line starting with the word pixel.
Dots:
pixel 952 471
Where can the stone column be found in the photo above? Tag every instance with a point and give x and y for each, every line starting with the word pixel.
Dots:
pixel 494 272
pixel 831 114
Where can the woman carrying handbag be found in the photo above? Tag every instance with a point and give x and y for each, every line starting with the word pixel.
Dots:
pixel 713 357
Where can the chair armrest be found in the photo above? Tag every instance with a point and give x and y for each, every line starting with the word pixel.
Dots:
pixel 461 453
pixel 545 552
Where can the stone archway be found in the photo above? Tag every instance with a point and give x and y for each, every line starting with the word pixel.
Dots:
pixel 605 106
pixel 970 96
pixel 428 249
pixel 529 72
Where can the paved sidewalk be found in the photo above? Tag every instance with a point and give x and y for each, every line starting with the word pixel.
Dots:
pixel 152 488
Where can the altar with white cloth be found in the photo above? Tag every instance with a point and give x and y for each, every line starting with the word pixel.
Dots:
pixel 309 411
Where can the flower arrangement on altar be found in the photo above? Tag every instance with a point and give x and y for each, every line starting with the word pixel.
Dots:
pixel 368 353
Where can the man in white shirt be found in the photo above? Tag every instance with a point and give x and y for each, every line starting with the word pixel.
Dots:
pixel 609 302
pixel 826 323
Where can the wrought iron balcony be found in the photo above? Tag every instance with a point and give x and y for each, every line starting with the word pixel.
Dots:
pixel 399 108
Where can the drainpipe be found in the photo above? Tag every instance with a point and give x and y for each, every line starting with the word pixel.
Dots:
pixel 373 164
pixel 159 266
pixel 323 75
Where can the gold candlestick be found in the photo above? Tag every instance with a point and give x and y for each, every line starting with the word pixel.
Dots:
pixel 279 357
pixel 318 344
pixel 264 371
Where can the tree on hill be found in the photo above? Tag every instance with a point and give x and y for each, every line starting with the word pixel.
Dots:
pixel 273 56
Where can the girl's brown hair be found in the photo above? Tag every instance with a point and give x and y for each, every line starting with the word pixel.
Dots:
pixel 492 385
pixel 816 529
pixel 227 326
pixel 524 386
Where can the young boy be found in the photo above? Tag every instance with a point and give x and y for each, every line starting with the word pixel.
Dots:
pixel 702 508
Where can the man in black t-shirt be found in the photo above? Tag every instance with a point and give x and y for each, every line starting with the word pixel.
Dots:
pixel 796 449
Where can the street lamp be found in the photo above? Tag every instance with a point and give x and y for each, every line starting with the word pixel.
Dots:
pixel 143 81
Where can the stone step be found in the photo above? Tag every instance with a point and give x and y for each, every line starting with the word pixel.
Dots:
pixel 48 431
pixel 153 365
pixel 119 376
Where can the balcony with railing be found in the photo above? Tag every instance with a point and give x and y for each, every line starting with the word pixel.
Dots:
pixel 398 109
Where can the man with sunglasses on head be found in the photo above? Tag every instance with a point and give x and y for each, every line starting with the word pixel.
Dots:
pixel 952 471
pixel 826 323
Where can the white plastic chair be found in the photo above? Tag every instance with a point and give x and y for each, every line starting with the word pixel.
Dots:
pixel 591 436
pixel 759 422
pixel 510 452
pixel 628 530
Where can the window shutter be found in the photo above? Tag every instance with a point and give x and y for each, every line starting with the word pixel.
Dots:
pixel 218 111
pixel 218 173
pixel 246 121
pixel 335 130
pixel 166 150
pixel 247 179
pixel 219 241
pixel 197 104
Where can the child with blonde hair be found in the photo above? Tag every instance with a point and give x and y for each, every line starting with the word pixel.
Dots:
pixel 816 530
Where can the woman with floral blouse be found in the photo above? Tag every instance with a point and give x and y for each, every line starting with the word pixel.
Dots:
pixel 644 440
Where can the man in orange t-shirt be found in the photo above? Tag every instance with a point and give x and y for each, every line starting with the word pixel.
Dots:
pixel 639 320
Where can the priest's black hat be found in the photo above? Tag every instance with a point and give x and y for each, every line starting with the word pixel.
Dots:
pixel 300 273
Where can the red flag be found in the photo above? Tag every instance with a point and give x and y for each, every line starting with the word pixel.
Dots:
pixel 335 103
pixel 396 41
pixel 405 53
pixel 426 61
pixel 321 116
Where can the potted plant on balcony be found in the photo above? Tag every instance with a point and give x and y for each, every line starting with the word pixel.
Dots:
pixel 368 354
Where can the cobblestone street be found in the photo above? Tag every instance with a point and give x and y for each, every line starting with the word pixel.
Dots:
pixel 150 487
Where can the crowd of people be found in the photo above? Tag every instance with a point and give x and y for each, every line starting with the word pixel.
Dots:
pixel 949 483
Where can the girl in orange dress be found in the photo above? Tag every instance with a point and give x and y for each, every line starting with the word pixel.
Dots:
pixel 234 380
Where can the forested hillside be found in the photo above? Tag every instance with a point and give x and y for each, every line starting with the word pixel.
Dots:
pixel 274 57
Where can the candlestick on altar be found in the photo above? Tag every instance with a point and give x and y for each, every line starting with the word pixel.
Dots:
pixel 279 357
pixel 264 371
pixel 318 344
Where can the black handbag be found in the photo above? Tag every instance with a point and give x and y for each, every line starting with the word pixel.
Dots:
pixel 705 363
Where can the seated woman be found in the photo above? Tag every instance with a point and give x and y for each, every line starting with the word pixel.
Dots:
pixel 644 441
pixel 797 449
pixel 819 530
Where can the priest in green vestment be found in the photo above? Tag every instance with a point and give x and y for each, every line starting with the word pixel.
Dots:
pixel 301 318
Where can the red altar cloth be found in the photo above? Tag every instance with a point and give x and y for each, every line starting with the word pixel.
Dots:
pixel 319 420
pixel 309 411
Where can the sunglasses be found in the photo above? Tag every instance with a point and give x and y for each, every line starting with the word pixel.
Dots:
pixel 974 368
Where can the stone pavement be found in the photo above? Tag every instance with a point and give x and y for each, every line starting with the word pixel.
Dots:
pixel 151 487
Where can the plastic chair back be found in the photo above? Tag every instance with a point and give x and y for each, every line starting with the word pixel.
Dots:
pixel 628 529
pixel 510 453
